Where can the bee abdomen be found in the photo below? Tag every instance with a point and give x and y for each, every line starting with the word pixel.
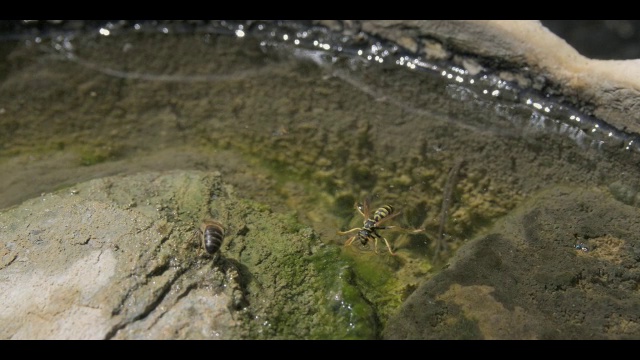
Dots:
pixel 213 235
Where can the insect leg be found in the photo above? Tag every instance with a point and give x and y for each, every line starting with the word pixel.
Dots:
pixel 397 228
pixel 348 231
pixel 386 242
pixel 350 240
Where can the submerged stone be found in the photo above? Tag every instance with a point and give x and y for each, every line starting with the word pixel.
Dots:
pixel 527 279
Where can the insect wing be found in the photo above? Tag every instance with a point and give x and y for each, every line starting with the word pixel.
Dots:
pixel 388 217
pixel 364 208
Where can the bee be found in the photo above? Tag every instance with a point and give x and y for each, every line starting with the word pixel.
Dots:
pixel 371 225
pixel 212 235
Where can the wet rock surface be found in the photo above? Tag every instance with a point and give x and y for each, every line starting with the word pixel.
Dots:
pixel 120 258
pixel 607 89
pixel 527 279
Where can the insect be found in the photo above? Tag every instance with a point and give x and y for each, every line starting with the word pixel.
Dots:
pixel 212 235
pixel 371 225
pixel 582 247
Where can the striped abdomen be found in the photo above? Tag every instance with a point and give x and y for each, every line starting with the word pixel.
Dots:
pixel 382 212
pixel 213 234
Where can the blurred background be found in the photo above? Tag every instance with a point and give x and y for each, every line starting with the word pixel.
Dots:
pixel 600 39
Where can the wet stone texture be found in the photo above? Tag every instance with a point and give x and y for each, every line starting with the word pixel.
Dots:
pixel 607 89
pixel 526 279
pixel 120 258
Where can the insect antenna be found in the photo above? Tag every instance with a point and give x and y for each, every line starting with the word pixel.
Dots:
pixel 364 209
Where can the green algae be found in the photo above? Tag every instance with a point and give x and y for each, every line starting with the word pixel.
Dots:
pixel 370 287
pixel 357 318
pixel 325 147
pixel 290 279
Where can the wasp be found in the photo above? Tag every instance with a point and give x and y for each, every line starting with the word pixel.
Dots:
pixel 371 225
pixel 582 247
pixel 212 235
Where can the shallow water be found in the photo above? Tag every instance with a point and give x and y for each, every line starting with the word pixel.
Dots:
pixel 302 119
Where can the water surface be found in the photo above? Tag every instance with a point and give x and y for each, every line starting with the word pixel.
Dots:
pixel 303 119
